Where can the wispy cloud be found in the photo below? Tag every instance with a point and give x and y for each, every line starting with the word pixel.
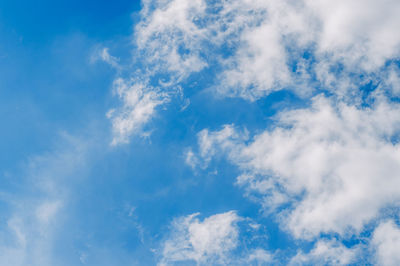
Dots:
pixel 37 207
pixel 139 106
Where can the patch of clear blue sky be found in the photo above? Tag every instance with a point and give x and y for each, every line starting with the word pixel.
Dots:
pixel 46 80
pixel 49 85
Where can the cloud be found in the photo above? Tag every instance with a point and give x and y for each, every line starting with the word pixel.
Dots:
pixel 241 40
pixel 220 239
pixel 259 257
pixel 253 44
pixel 139 106
pixel 249 49
pixel 37 206
pixel 205 242
pixel 335 164
pixel 104 55
pixel 358 33
pixel 169 37
pixel 329 168
pixel 326 252
pixel 386 241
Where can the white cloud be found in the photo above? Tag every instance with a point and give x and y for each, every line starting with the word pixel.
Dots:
pixel 391 80
pixel 359 33
pixel 139 106
pixel 204 242
pixel 191 159
pixel 386 241
pixel 251 41
pixel 102 53
pixel 326 252
pixel 259 257
pixel 106 57
pixel 166 30
pixel 334 163
pixel 252 48
pixel 216 240
pixel 180 37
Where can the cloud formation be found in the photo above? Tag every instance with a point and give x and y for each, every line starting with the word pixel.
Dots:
pixel 331 167
pixel 215 240
pixel 326 252
pixel 139 106
pixel 37 206
pixel 386 241
pixel 337 165
pixel 205 242
pixel 251 48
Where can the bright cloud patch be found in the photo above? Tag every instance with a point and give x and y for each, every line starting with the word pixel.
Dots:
pixel 386 240
pixel 139 106
pixel 207 242
pixel 326 253
pixel 215 240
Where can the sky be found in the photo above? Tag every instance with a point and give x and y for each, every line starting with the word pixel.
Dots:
pixel 199 132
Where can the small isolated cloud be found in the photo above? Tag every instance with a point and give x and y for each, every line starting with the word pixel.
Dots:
pixel 106 57
pixel 139 106
pixel 204 242
pixel 220 239
pixel 103 54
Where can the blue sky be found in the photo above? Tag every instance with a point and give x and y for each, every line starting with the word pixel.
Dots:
pixel 177 132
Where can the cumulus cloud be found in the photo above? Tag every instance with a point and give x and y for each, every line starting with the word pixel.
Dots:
pixel 335 164
pixel 358 33
pixel 329 168
pixel 386 242
pixel 204 242
pixel 215 240
pixel 326 252
pixel 254 43
pixel 252 48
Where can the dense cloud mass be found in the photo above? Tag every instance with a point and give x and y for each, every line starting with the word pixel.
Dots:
pixel 386 241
